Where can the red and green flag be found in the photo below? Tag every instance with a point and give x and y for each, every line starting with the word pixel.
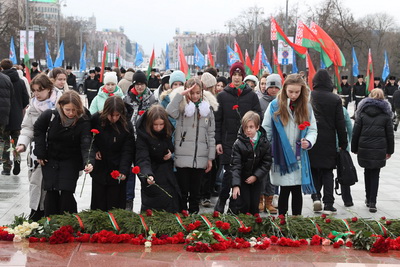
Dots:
pixel 278 34
pixel 369 79
pixel 104 61
pixel 27 64
pixel 311 72
pixel 277 68
pixel 248 66
pixel 151 64
pixel 210 57
pixel 183 66
pixel 239 52
pixel 257 67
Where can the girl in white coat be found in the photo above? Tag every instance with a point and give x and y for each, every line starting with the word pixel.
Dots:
pixel 291 128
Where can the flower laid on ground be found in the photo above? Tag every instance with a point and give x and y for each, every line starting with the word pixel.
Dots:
pixel 136 170
pixel 94 132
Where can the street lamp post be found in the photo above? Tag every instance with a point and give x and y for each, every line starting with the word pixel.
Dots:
pixel 59 22
pixel 229 25
pixel 286 28
pixel 26 23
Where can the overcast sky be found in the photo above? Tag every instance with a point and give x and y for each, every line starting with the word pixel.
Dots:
pixel 153 22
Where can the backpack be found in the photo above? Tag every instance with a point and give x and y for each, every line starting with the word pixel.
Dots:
pixel 346 172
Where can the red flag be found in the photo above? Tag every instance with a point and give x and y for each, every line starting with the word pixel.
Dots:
pixel 151 64
pixel 277 68
pixel 278 34
pixel 239 52
pixel 103 61
pixel 183 66
pixel 311 72
pixel 248 66
pixel 370 74
pixel 257 67
pixel 117 57
pixel 27 64
pixel 210 57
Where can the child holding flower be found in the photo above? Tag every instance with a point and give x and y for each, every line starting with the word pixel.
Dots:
pixel 115 148
pixel 291 128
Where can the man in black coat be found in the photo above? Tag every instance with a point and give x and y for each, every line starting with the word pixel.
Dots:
pixel 359 91
pixel 6 89
pixel 34 71
pixel 345 94
pixel 389 90
pixel 71 79
pixel 234 101
pixel 153 82
pixel 19 100
pixel 328 113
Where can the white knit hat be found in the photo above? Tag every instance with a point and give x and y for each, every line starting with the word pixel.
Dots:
pixel 110 77
pixel 208 79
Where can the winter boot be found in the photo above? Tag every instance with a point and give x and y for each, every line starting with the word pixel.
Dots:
pixel 261 204
pixel 129 205
pixel 268 205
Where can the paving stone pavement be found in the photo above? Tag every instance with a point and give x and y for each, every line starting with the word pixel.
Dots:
pixel 14 192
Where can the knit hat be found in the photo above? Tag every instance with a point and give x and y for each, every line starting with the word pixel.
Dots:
pixel 223 80
pixel 208 79
pixel 251 78
pixel 110 77
pixel 237 67
pixel 360 76
pixel 274 80
pixel 139 77
pixel 177 76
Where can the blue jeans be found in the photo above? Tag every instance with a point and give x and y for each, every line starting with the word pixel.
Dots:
pixel 130 186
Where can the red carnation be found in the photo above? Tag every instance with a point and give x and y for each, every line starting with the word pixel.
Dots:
pixel 226 226
pixel 219 224
pixel 336 245
pixel 302 127
pixel 323 216
pixel 349 244
pixel 306 123
pixel 274 239
pixel 354 219
pixel 258 220
pixel 33 239
pixel 388 222
pixel 256 214
pixel 383 218
pixel 43 239
pixel 215 214
pixel 141 112
pixel 149 212
pixel 235 107
pixel 328 220
pixel 115 174
pixel 95 131
pixel 282 222
pixel 136 169
pixel 281 216
pixel 185 213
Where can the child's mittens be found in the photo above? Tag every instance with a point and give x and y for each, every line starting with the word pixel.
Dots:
pixel 204 109
pixel 190 109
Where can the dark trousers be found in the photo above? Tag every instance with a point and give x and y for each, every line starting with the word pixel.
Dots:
pixel 130 187
pixel 226 183
pixel 249 198
pixel 371 179
pixel 323 178
pixel 357 100
pixel 7 163
pixel 106 197
pixel 189 181
pixel 268 188
pixel 90 97
pixel 58 202
pixel 297 199
pixel 346 194
pixel 208 182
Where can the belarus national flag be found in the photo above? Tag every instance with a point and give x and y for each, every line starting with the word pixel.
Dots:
pixel 257 67
pixel 151 64
pixel 210 57
pixel 311 72
pixel 239 52
pixel 27 64
pixel 369 80
pixel 103 61
pixel 248 66
pixel 183 66
pixel 277 68
pixel 278 34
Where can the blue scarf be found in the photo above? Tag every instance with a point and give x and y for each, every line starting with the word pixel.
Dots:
pixel 284 158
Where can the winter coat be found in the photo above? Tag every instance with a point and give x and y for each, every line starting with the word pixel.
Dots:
pixel 390 89
pixel 328 112
pixel 227 120
pixel 19 100
pixel 293 134
pixel 35 176
pixel 93 84
pixel 34 73
pixel 137 106
pixel 264 102
pixel 247 161
pixel 99 100
pixel 194 135
pixel 71 81
pixel 373 136
pixel 359 89
pixel 66 150
pixel 346 89
pixel 396 99
pixel 117 151
pixel 126 82
pixel 153 82
pixel 149 157
pixel 6 90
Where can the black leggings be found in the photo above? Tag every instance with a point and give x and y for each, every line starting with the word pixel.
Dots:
pixel 297 199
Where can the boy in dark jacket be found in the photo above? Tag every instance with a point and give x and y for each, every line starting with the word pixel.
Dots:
pixel 251 161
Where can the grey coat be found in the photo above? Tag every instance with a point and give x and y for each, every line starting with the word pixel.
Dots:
pixel 195 135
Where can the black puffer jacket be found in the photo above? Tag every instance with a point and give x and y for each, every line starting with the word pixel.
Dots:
pixel 150 152
pixel 227 120
pixel 246 161
pixel 328 113
pixel 6 89
pixel 19 100
pixel 396 98
pixel 373 136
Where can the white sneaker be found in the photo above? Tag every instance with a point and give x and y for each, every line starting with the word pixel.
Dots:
pixel 317 206
pixel 275 201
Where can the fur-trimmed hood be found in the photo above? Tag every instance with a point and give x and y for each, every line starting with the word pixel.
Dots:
pixel 374 107
pixel 207 96
pixel 164 94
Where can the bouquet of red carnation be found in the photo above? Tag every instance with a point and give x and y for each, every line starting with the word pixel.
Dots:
pixel 136 170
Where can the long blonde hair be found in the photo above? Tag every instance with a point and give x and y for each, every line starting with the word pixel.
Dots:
pixel 301 107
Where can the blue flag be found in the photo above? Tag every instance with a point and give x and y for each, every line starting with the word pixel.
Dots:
pixel 199 59
pixel 322 64
pixel 167 57
pixel 82 62
pixel 294 65
pixel 48 57
pixel 139 56
pixel 265 61
pixel 60 56
pixel 13 56
pixel 355 63
pixel 232 57
pixel 386 70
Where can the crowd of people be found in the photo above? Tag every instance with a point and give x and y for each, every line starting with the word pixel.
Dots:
pixel 250 141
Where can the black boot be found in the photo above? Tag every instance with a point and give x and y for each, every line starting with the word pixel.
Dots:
pixel 372 207
pixel 220 206
pixel 36 215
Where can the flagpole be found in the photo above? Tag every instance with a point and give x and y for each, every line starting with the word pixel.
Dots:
pixel 26 23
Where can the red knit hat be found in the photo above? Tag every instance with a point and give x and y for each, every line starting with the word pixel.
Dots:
pixel 237 67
